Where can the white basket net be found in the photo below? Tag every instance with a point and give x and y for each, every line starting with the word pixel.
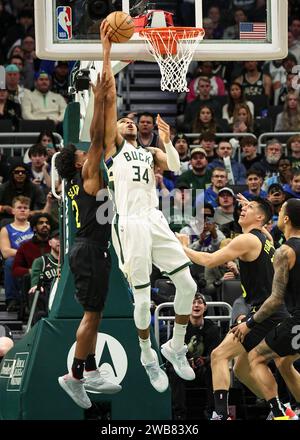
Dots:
pixel 173 50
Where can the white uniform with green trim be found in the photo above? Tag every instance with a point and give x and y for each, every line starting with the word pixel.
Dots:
pixel 140 233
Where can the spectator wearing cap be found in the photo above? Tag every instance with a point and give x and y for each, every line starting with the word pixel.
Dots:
pixel 8 109
pixel 181 143
pixel 276 197
pixel 224 150
pixel 44 271
pixel 293 189
pixel 42 103
pixel 254 182
pixel 219 180
pixel 268 165
pixel 16 92
pixel 19 184
pixel 248 146
pixel 198 177
pixel 226 202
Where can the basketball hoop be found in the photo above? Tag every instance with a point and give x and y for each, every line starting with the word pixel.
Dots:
pixel 173 49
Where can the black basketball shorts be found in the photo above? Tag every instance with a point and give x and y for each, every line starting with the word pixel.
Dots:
pixel 284 338
pixel 258 333
pixel 90 266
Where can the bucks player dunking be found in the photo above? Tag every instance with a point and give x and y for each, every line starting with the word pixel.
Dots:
pixel 140 233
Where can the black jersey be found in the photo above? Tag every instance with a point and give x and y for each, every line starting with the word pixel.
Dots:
pixel 85 208
pixel 292 296
pixel 257 275
pixel 253 89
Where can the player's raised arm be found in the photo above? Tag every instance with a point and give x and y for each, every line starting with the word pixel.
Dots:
pixel 111 136
pixel 168 160
pixel 238 247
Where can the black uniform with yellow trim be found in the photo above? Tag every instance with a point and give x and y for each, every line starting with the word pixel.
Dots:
pixel 256 279
pixel 89 257
pixel 285 338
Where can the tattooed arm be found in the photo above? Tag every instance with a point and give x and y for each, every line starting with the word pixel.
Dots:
pixel 282 263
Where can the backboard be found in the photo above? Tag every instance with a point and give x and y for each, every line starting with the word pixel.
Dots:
pixel 69 29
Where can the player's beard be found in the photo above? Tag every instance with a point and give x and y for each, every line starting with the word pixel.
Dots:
pixel 130 137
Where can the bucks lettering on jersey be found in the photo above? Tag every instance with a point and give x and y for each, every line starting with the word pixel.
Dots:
pixel 132 181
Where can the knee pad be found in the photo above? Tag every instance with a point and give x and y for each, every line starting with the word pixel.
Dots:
pixel 141 314
pixel 185 291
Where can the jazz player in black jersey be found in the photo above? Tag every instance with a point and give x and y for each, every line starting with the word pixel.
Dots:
pixel 283 342
pixel 89 257
pixel 255 253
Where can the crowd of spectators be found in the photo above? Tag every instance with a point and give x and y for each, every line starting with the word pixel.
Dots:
pixel 220 119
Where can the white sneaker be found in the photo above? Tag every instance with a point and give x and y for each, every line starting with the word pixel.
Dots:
pixel 216 416
pixel 75 389
pixel 178 360
pixel 158 378
pixel 95 382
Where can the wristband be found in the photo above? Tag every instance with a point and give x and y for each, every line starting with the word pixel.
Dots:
pixel 250 323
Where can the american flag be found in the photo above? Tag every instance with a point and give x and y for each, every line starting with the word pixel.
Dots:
pixel 253 31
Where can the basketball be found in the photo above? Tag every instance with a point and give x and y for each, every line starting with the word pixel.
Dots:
pixel 122 25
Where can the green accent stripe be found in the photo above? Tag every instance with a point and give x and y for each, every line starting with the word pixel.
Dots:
pixel 189 263
pixel 142 286
pixel 116 226
pixel 119 149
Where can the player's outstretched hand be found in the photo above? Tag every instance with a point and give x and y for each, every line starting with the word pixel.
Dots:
pixel 163 130
pixel 242 199
pixel 105 34
pixel 98 89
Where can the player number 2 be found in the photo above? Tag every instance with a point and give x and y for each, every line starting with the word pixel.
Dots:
pixel 76 212
pixel 137 175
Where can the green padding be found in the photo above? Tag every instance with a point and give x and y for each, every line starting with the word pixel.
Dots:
pixel 118 304
pixel 28 374
pixel 71 123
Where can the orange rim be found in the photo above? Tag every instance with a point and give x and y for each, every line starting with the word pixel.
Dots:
pixel 166 43
pixel 177 32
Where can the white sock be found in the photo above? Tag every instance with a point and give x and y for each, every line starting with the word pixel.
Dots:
pixel 177 341
pixel 147 355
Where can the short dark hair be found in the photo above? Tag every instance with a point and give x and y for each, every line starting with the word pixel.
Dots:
pixel 148 114
pixel 37 150
pixel 65 162
pixel 210 207
pixel 292 210
pixel 266 207
pixel 207 136
pixel 255 172
pixel 248 140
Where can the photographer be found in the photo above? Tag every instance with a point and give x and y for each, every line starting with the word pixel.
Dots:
pixel 202 336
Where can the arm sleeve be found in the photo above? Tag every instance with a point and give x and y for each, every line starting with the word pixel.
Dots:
pixel 36 269
pixel 173 161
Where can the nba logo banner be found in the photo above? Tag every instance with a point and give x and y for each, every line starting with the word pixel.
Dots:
pixel 64 22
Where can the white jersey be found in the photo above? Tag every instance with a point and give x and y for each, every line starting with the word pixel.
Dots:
pixel 132 181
